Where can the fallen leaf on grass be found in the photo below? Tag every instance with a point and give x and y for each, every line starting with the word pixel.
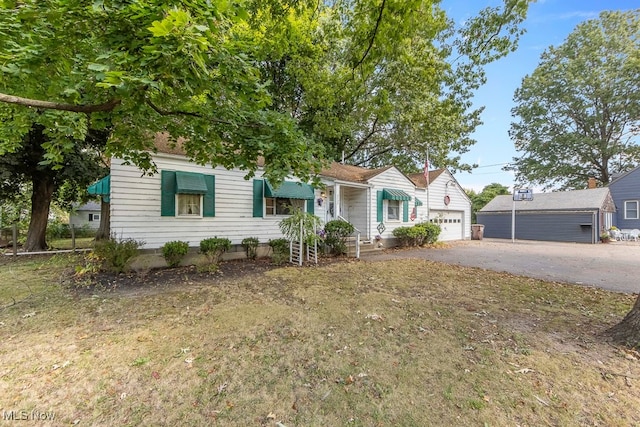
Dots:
pixel 524 371
pixel 222 387
pixel 374 316
pixel 33 313
pixel 155 375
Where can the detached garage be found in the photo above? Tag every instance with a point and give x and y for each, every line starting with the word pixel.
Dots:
pixel 565 216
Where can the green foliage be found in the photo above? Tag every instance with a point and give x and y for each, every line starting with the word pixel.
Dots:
pixel 478 201
pixel 116 253
pixel 250 245
pixel 577 113
pixel 336 233
pixel 417 235
pixel 214 247
pixel 59 230
pixel 280 250
pixel 290 226
pixel 293 82
pixel 174 252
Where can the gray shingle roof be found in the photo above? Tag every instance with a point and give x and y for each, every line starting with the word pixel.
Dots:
pixel 593 198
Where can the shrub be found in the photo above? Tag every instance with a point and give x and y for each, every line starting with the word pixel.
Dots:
pixel 290 227
pixel 405 235
pixel 214 247
pixel 250 245
pixel 174 252
pixel 116 253
pixel 280 250
pixel 418 234
pixel 336 233
pixel 431 232
pixel 58 230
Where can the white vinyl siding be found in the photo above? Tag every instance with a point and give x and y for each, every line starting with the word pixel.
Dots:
pixel 135 206
pixel 392 179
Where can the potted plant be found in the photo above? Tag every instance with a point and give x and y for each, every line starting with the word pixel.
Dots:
pixel 605 237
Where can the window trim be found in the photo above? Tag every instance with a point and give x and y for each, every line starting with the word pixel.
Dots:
pixel 200 205
pixel 626 209
pixel 94 217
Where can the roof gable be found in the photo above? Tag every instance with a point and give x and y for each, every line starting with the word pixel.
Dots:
pixel 420 180
pixel 633 174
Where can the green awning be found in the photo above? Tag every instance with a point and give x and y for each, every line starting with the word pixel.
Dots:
pixel 289 190
pixel 101 188
pixel 418 202
pixel 390 194
pixel 190 183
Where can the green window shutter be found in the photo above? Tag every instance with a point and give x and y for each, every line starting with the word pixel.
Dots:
pixel 258 195
pixel 168 193
pixel 209 198
pixel 311 206
pixel 405 211
pixel 379 205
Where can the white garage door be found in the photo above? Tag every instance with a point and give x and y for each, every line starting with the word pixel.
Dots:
pixel 451 224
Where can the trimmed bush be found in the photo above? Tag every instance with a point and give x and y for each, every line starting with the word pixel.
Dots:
pixel 174 252
pixel 417 235
pixel 336 233
pixel 431 232
pixel 279 250
pixel 250 245
pixel 116 253
pixel 214 247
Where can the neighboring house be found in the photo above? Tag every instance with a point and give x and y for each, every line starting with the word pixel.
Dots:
pixel 564 216
pixel 86 215
pixel 625 191
pixel 189 202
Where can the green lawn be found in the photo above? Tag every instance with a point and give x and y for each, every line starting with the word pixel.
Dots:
pixel 398 343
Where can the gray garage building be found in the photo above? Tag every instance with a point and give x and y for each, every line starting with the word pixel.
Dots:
pixel 565 216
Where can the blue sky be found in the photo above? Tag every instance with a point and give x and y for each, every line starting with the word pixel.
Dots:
pixel 548 23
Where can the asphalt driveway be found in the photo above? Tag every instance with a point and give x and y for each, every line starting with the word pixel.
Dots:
pixel 614 266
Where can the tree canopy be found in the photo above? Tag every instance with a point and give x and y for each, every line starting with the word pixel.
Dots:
pixel 578 113
pixel 292 81
pixel 479 200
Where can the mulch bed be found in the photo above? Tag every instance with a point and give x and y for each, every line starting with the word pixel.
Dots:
pixel 164 278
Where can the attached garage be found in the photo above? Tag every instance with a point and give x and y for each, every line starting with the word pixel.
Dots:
pixel 450 223
pixel 569 216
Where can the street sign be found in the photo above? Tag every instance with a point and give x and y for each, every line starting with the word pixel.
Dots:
pixel 523 194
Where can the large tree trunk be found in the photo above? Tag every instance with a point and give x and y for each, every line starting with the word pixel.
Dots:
pixel 627 332
pixel 43 188
pixel 104 231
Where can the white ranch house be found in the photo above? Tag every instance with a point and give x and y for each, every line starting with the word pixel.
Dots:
pixel 189 202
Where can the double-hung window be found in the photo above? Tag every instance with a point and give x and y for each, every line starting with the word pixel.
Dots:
pixel 631 209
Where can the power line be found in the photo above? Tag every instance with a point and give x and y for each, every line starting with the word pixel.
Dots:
pixel 495 164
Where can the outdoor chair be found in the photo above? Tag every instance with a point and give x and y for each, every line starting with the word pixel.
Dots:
pixel 634 234
pixel 615 234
